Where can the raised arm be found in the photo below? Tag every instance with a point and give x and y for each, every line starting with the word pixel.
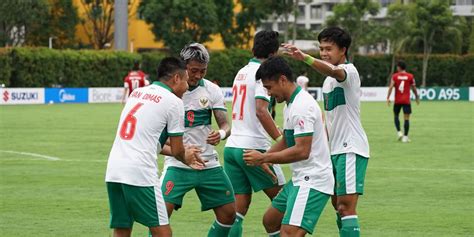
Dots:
pixel 321 66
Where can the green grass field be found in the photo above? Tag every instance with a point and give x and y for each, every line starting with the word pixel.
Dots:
pixel 424 188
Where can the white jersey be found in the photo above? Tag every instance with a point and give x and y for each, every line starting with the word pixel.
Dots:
pixel 150 115
pixel 247 131
pixel 303 117
pixel 342 105
pixel 199 104
pixel 302 81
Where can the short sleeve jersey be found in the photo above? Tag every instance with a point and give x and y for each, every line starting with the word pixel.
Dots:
pixel 134 80
pixel 403 81
pixel 199 104
pixel 303 117
pixel 342 106
pixel 150 115
pixel 247 131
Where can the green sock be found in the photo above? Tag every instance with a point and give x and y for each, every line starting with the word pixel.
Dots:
pixel 218 230
pixel 274 234
pixel 350 227
pixel 338 220
pixel 236 230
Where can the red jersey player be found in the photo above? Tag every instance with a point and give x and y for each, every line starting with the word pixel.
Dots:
pixel 402 81
pixel 134 79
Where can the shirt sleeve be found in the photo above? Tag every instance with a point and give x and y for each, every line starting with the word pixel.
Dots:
pixel 352 79
pixel 125 84
pixel 217 99
pixel 261 92
pixel 303 121
pixel 175 120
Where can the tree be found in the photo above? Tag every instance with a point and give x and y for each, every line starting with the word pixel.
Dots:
pixel 226 26
pixel 398 32
pixel 430 17
pixel 180 22
pixel 21 21
pixel 351 16
pixel 98 21
pixel 62 22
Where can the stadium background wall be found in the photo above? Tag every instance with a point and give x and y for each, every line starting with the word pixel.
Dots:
pixel 43 67
pixel 16 96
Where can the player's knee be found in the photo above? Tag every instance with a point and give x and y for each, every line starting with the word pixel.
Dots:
pixel 270 223
pixel 227 218
pixel 345 209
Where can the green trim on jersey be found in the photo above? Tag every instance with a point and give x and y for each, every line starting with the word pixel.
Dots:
pixel 304 134
pixel 177 134
pixel 159 83
pixel 223 109
pixel 295 92
pixel 262 98
pixel 254 60
pixel 164 136
pixel 334 98
pixel 289 137
pixel 194 118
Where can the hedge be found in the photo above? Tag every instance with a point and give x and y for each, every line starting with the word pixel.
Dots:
pixel 43 67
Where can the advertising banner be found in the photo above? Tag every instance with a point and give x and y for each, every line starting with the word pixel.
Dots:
pixel 22 96
pixel 443 93
pixel 105 94
pixel 66 95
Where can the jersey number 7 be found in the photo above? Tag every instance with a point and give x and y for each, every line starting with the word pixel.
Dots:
pixel 242 94
pixel 127 129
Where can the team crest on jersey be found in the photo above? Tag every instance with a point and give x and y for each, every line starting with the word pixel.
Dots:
pixel 204 102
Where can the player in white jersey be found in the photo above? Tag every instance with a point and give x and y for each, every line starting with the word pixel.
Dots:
pixel 251 126
pixel 347 139
pixel 150 116
pixel 296 209
pixel 213 187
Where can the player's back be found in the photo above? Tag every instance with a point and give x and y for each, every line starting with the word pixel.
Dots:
pixel 247 131
pixel 134 80
pixel 150 114
pixel 402 83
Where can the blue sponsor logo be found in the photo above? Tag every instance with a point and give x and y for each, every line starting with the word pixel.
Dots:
pixel 66 95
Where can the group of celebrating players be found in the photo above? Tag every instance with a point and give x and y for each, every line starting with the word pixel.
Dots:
pixel 327 152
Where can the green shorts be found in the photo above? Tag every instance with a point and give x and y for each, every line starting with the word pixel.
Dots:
pixel 128 203
pixel 212 186
pixel 302 206
pixel 244 178
pixel 349 172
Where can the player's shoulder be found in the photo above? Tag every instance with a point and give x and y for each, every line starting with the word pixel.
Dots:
pixel 209 85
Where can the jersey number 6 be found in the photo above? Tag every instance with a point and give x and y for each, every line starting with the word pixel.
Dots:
pixel 127 129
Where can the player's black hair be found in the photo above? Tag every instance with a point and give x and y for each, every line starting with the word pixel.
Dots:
pixel 168 67
pixel 336 35
pixel 136 65
pixel 402 65
pixel 273 68
pixel 265 43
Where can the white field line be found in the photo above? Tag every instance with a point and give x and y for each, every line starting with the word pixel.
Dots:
pixel 31 154
pixel 370 168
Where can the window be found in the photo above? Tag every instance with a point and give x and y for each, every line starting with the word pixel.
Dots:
pixel 316 12
pixel 301 13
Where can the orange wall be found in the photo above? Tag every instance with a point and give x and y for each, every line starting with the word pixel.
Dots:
pixel 139 31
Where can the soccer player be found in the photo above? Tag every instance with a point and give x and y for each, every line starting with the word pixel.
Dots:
pixel 202 100
pixel 150 116
pixel 134 79
pixel 347 139
pixel 296 209
pixel 251 126
pixel 402 81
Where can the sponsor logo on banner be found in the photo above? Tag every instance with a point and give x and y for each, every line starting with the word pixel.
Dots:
pixel 66 95
pixel 105 95
pixel 22 95
pixel 442 93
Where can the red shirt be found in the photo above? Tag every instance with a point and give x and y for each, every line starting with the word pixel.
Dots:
pixel 403 82
pixel 134 80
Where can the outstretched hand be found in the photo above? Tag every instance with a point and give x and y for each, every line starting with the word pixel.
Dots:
pixel 192 157
pixel 293 52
